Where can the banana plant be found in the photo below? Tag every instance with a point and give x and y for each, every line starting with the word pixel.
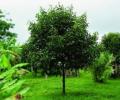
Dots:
pixel 10 85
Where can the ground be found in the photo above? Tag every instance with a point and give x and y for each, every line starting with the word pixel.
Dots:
pixel 77 88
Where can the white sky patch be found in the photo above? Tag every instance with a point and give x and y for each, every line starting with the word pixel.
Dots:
pixel 103 15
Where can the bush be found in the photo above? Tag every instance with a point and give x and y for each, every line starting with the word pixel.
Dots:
pixel 102 68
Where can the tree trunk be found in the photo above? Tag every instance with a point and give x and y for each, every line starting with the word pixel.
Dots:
pixel 63 81
pixel 46 76
pixel 31 69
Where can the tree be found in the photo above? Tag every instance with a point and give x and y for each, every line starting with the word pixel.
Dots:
pixel 5 26
pixel 111 43
pixel 64 37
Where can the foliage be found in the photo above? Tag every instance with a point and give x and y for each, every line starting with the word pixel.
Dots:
pixel 111 42
pixel 11 50
pixel 5 26
pixel 102 68
pixel 59 35
pixel 10 82
pixel 10 87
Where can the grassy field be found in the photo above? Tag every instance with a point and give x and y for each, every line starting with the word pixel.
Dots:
pixel 78 88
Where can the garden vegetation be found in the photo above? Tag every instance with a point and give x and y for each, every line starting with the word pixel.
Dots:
pixel 59 45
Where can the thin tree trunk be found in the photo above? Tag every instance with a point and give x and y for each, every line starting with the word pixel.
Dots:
pixel 46 76
pixel 63 81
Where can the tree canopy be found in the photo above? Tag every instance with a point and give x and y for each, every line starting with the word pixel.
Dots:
pixel 62 36
pixel 5 26
pixel 111 42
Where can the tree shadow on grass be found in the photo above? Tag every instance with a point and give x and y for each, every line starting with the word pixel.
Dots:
pixel 80 95
pixel 71 96
pixel 77 93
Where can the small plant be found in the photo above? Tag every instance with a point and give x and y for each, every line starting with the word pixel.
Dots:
pixel 102 67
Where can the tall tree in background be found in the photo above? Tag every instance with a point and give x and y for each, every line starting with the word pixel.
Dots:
pixel 111 42
pixel 59 37
pixel 5 26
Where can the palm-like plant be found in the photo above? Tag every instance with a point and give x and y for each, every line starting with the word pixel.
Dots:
pixel 10 85
pixel 102 67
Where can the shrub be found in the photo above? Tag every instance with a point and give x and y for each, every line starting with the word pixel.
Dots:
pixel 102 67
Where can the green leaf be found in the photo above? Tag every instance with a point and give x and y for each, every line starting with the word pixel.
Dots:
pixel 20 65
pixel 13 89
pixel 22 92
pixel 4 62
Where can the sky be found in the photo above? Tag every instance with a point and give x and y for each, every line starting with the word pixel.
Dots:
pixel 103 15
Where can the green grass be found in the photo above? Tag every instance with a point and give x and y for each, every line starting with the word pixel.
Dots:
pixel 78 88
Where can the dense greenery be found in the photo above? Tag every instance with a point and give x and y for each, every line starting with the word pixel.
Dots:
pixel 10 83
pixel 111 43
pixel 11 87
pixel 60 45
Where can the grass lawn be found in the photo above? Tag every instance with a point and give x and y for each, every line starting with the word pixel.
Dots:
pixel 77 88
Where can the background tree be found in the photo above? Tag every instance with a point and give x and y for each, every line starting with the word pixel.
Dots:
pixel 5 26
pixel 111 42
pixel 60 36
